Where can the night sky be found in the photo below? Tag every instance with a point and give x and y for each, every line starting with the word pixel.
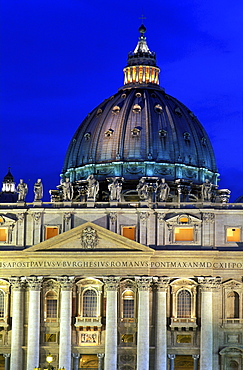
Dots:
pixel 60 59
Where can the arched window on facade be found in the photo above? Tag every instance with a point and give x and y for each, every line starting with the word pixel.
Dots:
pixel 184 304
pixel 1 304
pixel 128 304
pixel 90 303
pixel 233 305
pixel 51 305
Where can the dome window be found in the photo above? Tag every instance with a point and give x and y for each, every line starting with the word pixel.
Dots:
pixel 203 141
pixel 158 109
pixel 99 112
pixel 123 96
pixel 136 131
pixel 153 95
pixel 162 133
pixel 138 95
pixel 109 132
pixel 178 111
pixel 116 110
pixel 87 136
pixel 136 108
pixel 186 136
pixel 192 115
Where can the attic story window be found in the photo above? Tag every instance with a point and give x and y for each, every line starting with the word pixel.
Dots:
pixel 3 234
pixel 51 231
pixel 129 232
pixel 178 111
pixel 233 234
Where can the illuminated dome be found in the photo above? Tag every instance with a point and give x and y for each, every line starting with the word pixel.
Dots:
pixel 141 131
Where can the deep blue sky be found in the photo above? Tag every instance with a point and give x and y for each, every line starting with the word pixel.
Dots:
pixel 59 59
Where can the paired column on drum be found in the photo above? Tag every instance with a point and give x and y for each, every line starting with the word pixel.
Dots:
pixel 111 286
pixel 143 284
pixel 161 284
pixel 66 283
pixel 208 285
pixel 16 360
pixel 33 353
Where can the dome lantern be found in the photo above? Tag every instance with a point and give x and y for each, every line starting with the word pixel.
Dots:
pixel 141 64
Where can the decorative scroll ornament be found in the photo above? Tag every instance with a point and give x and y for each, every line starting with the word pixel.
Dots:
pixel 126 358
pixel 89 238
pixel 113 217
pixel 208 218
pixel 20 217
pixel 36 216
pixel 112 282
pixel 67 216
pixel 209 283
pixel 161 217
pixel 144 216
pixel 143 282
pixel 34 282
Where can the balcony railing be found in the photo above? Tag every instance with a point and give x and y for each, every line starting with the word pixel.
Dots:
pixel 88 321
pixel 183 322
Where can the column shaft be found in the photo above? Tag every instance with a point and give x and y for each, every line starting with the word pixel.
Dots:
pixel 33 346
pixel 143 284
pixel 161 333
pixel 206 354
pixel 16 359
pixel 65 330
pixel 6 362
pixel 65 323
pixel 111 331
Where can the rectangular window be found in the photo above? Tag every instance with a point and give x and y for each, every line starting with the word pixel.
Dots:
pixel 184 234
pixel 3 235
pixel 51 231
pixel 51 308
pixel 233 234
pixel 129 232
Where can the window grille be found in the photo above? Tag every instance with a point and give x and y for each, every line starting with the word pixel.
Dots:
pixel 184 304
pixel 1 304
pixel 51 305
pixel 90 303
pixel 128 304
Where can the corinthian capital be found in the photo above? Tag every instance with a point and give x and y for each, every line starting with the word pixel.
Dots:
pixel 143 282
pixel 34 282
pixel 161 283
pixel 66 282
pixel 112 282
pixel 209 283
pixel 17 283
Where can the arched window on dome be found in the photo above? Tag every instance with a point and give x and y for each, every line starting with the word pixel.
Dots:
pixel 233 305
pixel 184 304
pixel 90 301
pixel 51 307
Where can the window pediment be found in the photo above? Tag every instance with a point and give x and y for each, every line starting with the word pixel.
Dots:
pixel 183 219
